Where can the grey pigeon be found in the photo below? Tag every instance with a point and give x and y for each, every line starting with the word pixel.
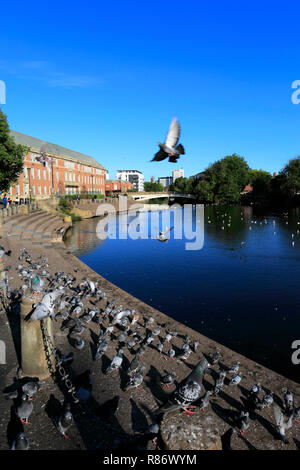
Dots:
pixel 168 379
pixel 282 422
pixel 243 421
pixel 79 343
pixel 24 410
pixel 267 401
pixel 102 347
pixel 170 148
pixel 219 382
pixel 235 368
pixel 116 362
pixel 31 388
pixel 288 401
pixel 187 392
pixel 20 443
pixel 205 401
pixel 235 379
pixel 136 380
pixel 65 420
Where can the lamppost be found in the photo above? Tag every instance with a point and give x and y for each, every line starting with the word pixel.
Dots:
pixel 92 176
pixel 29 174
pixel 52 189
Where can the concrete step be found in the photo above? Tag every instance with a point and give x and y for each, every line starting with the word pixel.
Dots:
pixel 32 225
pixel 40 225
pixel 17 224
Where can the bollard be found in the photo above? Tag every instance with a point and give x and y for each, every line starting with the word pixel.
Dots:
pixel 35 362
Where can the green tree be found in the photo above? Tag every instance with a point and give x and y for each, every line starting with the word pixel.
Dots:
pixel 261 182
pixel 223 181
pixel 11 156
pixel 291 177
pixel 150 187
pixel 181 185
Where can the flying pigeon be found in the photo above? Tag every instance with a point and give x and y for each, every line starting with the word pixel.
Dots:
pixel 170 148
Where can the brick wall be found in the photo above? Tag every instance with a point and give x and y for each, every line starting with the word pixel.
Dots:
pixel 63 177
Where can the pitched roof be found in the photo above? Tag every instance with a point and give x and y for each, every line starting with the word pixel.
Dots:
pixel 54 149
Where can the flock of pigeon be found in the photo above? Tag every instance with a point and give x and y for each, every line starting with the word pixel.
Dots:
pixel 65 301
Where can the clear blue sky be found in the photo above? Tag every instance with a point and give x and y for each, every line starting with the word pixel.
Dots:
pixel 106 80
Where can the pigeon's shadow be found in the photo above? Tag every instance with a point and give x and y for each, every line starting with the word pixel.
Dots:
pixel 14 426
pixel 297 443
pixel 53 409
pixel 153 384
pixel 249 445
pixel 138 419
pixel 14 321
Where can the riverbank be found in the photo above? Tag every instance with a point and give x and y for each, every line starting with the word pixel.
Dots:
pixel 136 406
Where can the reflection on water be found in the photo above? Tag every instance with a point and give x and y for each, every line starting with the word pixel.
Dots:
pixel 241 289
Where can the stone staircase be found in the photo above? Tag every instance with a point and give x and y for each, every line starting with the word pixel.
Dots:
pixel 38 228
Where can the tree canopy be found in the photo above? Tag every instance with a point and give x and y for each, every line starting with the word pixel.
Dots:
pixel 153 187
pixel 291 174
pixel 11 156
pixel 261 181
pixel 221 183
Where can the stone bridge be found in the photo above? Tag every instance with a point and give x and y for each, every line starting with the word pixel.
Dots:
pixel 146 196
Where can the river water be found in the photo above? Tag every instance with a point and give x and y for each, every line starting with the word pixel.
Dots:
pixel 240 289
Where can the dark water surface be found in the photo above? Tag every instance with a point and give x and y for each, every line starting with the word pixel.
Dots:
pixel 245 297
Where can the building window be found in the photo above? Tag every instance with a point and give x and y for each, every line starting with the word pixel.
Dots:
pixel 57 176
pixel 45 190
pixel 33 190
pixel 39 190
pixel 25 172
pixel 32 172
pixel 66 176
pixel 25 189
pixel 39 173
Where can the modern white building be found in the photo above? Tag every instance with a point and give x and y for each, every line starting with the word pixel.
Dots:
pixel 165 181
pixel 132 176
pixel 177 174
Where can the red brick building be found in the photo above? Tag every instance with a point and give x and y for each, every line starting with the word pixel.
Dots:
pixel 63 171
pixel 117 186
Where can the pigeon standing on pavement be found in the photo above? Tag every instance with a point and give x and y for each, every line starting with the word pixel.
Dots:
pixel 65 420
pixel 25 409
pixel 20 443
pixel 282 422
pixel 187 392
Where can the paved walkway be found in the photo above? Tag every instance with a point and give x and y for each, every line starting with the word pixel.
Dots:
pixel 136 406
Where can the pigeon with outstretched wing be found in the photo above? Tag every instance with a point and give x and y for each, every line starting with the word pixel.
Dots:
pixel 170 148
